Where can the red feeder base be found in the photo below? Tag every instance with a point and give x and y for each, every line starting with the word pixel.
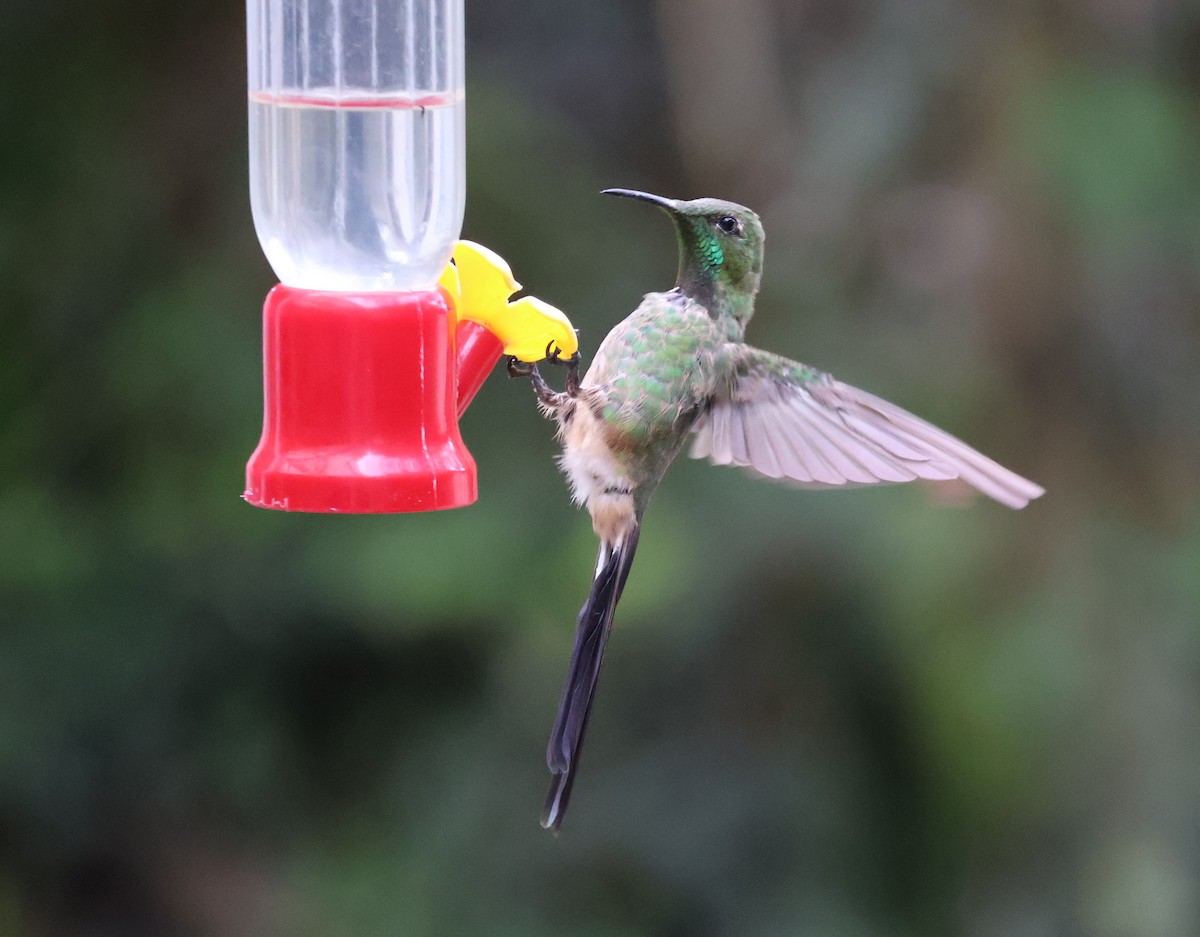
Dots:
pixel 359 412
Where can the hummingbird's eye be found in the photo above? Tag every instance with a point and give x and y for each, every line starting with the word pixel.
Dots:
pixel 730 225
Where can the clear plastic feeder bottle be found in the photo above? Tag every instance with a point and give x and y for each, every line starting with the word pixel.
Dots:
pixel 357 149
pixel 357 191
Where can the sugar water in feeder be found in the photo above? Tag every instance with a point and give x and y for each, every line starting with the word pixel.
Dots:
pixel 357 183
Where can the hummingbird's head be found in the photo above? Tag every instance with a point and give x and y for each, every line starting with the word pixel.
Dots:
pixel 720 245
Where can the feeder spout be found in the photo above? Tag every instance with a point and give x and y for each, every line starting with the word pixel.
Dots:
pixel 478 352
pixel 480 283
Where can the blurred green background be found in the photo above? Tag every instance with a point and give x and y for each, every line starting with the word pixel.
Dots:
pixel 824 713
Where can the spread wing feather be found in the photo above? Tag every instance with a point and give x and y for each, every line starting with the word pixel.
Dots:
pixel 785 421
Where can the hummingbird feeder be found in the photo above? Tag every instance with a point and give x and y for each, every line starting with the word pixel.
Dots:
pixel 373 342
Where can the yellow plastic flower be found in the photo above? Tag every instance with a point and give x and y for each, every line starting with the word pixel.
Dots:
pixel 480 282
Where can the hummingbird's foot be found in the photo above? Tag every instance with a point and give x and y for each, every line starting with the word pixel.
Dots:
pixel 546 395
pixel 554 356
pixel 544 392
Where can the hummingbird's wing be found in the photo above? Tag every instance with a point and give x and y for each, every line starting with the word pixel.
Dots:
pixel 784 420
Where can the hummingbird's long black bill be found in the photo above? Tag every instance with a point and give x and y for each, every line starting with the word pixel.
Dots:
pixel 667 203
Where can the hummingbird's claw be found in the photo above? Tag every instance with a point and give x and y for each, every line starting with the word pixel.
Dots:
pixel 518 368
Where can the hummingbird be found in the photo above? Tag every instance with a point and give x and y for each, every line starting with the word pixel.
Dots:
pixel 677 370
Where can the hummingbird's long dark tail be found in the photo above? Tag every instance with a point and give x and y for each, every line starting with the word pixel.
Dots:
pixel 591 635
